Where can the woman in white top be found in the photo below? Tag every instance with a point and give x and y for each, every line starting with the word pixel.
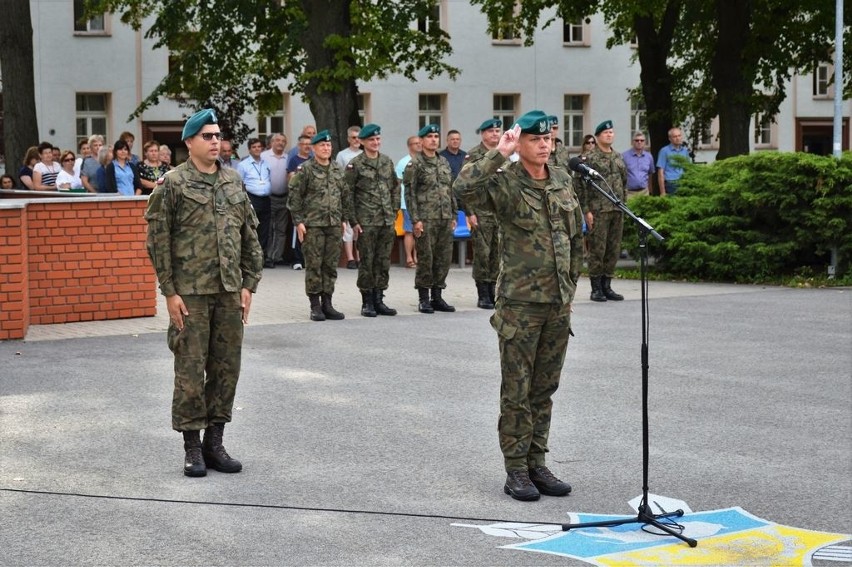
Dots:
pixel 45 171
pixel 68 178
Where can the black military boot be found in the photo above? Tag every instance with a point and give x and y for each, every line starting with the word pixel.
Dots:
pixel 193 464
pixel 438 303
pixel 368 308
pixel 492 292
pixel 424 306
pixel 379 303
pixel 547 483
pixel 520 487
pixel 329 310
pixel 316 308
pixel 607 290
pixel 215 455
pixel 597 292
pixel 483 300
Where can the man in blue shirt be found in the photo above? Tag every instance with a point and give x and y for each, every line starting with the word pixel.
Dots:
pixel 453 152
pixel 640 167
pixel 669 172
pixel 257 178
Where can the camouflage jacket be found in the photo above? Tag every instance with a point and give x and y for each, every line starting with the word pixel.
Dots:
pixel 473 155
pixel 559 156
pixel 202 238
pixel 541 240
pixel 319 196
pixel 612 167
pixel 428 189
pixel 373 189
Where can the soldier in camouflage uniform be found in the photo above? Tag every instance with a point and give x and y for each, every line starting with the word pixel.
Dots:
pixel 374 193
pixel 432 207
pixel 483 224
pixel 604 220
pixel 559 153
pixel 202 240
pixel 541 251
pixel 319 197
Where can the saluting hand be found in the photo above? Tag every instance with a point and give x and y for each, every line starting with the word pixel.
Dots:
pixel 509 141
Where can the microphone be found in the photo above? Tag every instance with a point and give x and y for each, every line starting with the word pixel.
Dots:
pixel 576 164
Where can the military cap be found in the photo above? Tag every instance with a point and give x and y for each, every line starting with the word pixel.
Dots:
pixel 197 121
pixel 605 125
pixel 322 136
pixel 534 122
pixel 370 130
pixel 490 123
pixel 429 129
pixel 553 119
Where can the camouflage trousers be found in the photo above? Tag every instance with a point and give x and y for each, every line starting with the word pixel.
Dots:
pixel 486 250
pixel 374 246
pixel 605 243
pixel 533 339
pixel 207 360
pixel 434 253
pixel 321 249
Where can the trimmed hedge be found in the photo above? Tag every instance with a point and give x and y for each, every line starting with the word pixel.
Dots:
pixel 752 217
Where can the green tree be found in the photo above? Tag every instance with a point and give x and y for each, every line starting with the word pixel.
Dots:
pixel 725 58
pixel 228 53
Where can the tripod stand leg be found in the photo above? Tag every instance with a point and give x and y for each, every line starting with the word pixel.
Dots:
pixel 670 531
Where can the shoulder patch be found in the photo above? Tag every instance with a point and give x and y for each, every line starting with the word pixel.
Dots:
pixel 409 164
pixel 499 170
pixel 299 167
pixel 350 166
pixel 161 180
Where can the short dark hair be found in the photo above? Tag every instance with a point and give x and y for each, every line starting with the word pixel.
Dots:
pixel 45 146
pixel 253 141
pixel 120 144
pixel 453 132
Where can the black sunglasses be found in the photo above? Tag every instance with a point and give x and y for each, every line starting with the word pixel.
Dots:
pixel 207 136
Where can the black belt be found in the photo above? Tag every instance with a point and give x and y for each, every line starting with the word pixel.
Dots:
pixel 640 189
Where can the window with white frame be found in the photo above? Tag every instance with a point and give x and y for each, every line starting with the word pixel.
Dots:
pixel 574 112
pixel 95 25
pixel 430 109
pixel 363 107
pixel 276 122
pixel 505 28
pixel 91 115
pixel 573 33
pixel 638 115
pixel 431 22
pixel 762 130
pixel 822 80
pixel 505 108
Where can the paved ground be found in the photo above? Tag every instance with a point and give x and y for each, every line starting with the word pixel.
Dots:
pixel 365 440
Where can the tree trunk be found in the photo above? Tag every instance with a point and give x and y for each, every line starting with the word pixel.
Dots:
pixel 733 76
pixel 16 63
pixel 656 77
pixel 335 109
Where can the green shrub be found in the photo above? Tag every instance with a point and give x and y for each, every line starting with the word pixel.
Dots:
pixel 751 218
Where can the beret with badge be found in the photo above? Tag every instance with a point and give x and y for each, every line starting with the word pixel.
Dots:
pixel 197 121
pixel 370 130
pixel 605 125
pixel 490 123
pixel 322 136
pixel 429 129
pixel 534 122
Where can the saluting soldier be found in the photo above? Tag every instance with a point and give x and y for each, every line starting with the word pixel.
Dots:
pixel 433 210
pixel 483 224
pixel 202 240
pixel 318 200
pixel 541 256
pixel 374 190
pixel 604 220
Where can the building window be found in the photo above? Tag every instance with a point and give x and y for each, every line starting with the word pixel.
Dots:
pixel 363 107
pixel 505 30
pixel 762 130
pixel 91 115
pixel 94 26
pixel 638 115
pixel 431 22
pixel 430 109
pixel 822 80
pixel 505 106
pixel 574 119
pixel 276 122
pixel 573 33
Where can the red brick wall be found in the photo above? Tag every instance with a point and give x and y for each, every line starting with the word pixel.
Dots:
pixel 84 260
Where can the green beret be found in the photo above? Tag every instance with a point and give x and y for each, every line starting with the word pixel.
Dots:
pixel 534 122
pixel 322 136
pixel 489 124
pixel 605 125
pixel 370 130
pixel 554 120
pixel 197 121
pixel 429 129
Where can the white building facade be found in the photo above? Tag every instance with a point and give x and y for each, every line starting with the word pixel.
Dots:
pixel 89 78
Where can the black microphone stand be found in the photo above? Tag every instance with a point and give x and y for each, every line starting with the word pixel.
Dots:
pixel 645 515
